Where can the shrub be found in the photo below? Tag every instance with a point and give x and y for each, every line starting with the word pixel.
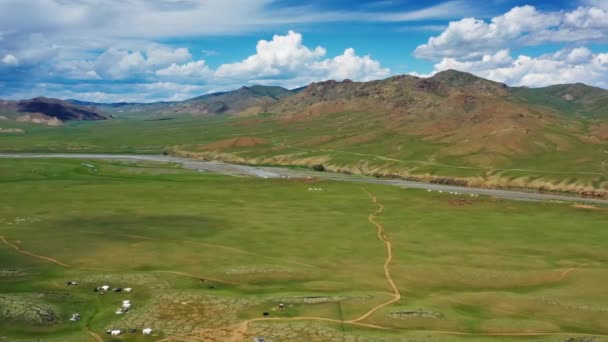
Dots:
pixel 319 168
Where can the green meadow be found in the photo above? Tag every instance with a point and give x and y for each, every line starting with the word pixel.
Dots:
pixel 207 255
pixel 343 142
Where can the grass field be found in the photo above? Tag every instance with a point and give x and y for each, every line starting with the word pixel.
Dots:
pixel 207 254
pixel 343 142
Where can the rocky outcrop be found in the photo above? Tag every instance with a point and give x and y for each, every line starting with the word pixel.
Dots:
pixel 47 111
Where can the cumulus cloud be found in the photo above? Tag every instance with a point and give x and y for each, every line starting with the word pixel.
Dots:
pixel 27 49
pixel 193 70
pixel 349 65
pixel 10 60
pixel 117 64
pixel 158 69
pixel 521 26
pixel 484 48
pixel 104 41
pixel 282 55
pixel 159 55
pixel 77 70
pixel 284 60
pixel 569 65
pixel 286 57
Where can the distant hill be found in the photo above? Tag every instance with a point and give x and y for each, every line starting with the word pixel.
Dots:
pixel 50 111
pixel 99 104
pixel 571 99
pixel 452 127
pixel 245 99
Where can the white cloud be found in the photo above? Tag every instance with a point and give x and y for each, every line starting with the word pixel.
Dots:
pixel 282 55
pixel 286 60
pixel 597 3
pixel 483 48
pixel 351 66
pixel 174 18
pixel 159 55
pixel 79 70
pixel 29 49
pixel 196 70
pixel 117 64
pixel 521 26
pixel 564 66
pixel 10 60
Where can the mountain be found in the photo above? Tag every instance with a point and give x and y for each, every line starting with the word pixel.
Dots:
pixel 49 111
pixel 453 126
pixel 97 104
pixel 245 99
pixel 572 99
pixel 466 112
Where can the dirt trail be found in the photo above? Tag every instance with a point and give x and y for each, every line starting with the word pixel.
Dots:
pixel 95 336
pixel 389 257
pixel 238 331
pixel 198 277
pixel 565 273
pixel 241 329
pixel 24 252
pixel 57 262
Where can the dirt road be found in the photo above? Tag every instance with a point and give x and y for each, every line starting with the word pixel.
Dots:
pixel 389 257
pixel 24 252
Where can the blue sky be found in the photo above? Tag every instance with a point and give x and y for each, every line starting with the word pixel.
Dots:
pixel 136 50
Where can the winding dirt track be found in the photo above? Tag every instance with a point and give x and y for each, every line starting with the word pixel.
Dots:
pixel 565 273
pixel 95 336
pixel 24 252
pixel 241 329
pixel 389 257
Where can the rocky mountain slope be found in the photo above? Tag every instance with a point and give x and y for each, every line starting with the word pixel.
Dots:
pixel 243 100
pixel 48 111
pixel 453 124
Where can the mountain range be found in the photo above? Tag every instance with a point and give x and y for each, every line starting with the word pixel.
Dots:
pixel 451 125
pixel 243 100
pixel 48 111
pixel 399 94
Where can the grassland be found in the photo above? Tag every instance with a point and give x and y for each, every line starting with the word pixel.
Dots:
pixel 335 140
pixel 207 254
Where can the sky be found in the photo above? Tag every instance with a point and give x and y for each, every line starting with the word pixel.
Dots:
pixel 167 50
